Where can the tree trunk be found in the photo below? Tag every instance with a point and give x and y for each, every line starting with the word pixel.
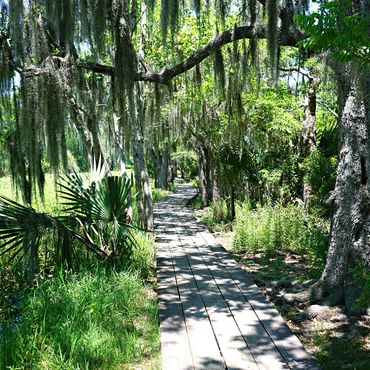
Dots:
pixel 214 172
pixel 309 131
pixel 156 157
pixel 163 173
pixel 350 228
pixel 144 192
pixel 232 203
pixel 204 178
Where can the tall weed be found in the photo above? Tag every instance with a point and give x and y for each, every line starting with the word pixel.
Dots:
pixel 101 319
pixel 216 215
pixel 274 227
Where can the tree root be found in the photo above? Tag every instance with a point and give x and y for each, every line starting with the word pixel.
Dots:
pixel 312 294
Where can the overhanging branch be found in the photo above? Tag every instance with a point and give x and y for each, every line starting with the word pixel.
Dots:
pixel 168 73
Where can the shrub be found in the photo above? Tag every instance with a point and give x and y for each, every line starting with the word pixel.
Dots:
pixel 274 228
pixel 216 215
pixel 158 194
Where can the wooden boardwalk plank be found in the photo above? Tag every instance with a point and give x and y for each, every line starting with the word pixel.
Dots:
pixel 212 315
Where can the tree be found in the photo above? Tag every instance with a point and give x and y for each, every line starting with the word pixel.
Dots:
pixel 342 29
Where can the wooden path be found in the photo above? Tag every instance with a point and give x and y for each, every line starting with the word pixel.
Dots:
pixel 212 315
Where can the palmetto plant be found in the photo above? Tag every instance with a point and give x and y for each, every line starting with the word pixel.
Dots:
pixel 100 207
pixel 95 218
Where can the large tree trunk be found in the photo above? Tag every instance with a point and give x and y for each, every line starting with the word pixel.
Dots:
pixel 350 229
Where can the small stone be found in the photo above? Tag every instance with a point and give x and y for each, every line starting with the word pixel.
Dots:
pixel 315 310
pixel 339 317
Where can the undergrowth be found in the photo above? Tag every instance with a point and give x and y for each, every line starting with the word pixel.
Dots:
pixel 276 228
pixel 217 215
pixel 98 317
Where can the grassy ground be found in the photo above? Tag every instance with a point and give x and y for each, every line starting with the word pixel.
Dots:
pixel 101 317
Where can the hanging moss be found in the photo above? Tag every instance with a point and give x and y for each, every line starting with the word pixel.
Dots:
pixel 174 15
pixel 219 70
pixel 272 35
pixel 220 6
pixel 16 18
pixel 165 6
pixel 196 7
pixel 99 11
pixel 198 75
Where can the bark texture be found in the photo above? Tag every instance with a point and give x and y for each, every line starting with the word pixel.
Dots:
pixel 350 229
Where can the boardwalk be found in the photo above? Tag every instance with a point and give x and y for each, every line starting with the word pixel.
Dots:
pixel 212 316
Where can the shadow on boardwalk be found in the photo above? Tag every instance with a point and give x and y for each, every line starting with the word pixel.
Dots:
pixel 212 315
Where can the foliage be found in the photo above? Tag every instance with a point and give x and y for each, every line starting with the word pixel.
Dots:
pixel 320 173
pixel 101 208
pixel 96 219
pixel 187 163
pixel 143 255
pixel 339 30
pixel 361 276
pixel 195 203
pixel 341 352
pixel 100 318
pixel 276 228
pixel 173 187
pixel 158 194
pixel 217 214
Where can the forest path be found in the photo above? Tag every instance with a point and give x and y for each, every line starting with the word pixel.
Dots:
pixel 212 315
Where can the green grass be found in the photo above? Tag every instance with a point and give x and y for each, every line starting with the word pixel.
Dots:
pixel 50 203
pixel 344 352
pixel 158 194
pixel 98 319
pixel 217 216
pixel 276 228
pixel 195 203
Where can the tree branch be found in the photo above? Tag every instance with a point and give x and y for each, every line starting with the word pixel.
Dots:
pixel 168 73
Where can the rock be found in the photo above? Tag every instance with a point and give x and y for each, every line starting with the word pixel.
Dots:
pixel 314 310
pixel 339 317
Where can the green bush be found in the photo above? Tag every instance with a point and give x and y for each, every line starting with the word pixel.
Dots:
pixel 195 203
pixel 216 215
pixel 101 319
pixel 320 174
pixel 143 256
pixel 274 228
pixel 158 194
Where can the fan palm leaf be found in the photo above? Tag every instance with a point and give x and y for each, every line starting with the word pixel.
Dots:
pixel 23 232
pixel 101 208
